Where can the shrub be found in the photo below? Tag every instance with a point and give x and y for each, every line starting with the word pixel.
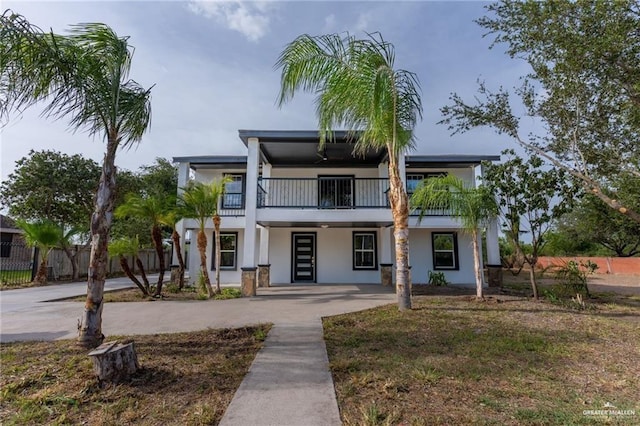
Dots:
pixel 438 279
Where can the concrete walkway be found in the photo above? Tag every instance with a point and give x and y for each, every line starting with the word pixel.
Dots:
pixel 289 382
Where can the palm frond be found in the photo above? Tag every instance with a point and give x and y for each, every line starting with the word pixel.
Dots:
pixel 473 206
pixel 356 86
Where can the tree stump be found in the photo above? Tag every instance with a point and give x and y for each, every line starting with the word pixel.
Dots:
pixel 114 362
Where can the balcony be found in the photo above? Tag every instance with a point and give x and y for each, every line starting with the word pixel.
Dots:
pixel 323 193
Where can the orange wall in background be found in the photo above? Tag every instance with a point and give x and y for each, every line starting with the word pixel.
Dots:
pixel 606 265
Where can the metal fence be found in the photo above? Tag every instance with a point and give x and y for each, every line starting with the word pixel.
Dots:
pixel 17 263
pixel 323 193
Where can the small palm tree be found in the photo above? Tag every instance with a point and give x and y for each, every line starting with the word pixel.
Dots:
pixel 84 76
pixel 124 247
pixel 216 191
pixel 44 235
pixel 196 202
pixel 170 218
pixel 474 207
pixel 358 88
pixel 151 208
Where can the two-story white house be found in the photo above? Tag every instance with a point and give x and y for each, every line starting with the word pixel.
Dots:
pixel 296 213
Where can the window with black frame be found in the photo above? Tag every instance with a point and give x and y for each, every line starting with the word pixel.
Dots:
pixel 364 250
pixel 228 251
pixel 445 250
pixel 233 197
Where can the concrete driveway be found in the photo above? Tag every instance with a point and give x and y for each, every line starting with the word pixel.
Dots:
pixel 27 314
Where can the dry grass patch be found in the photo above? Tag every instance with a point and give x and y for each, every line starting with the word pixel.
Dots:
pixel 135 295
pixel 186 378
pixel 452 360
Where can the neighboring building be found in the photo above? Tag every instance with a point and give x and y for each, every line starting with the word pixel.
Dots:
pixel 301 214
pixel 14 253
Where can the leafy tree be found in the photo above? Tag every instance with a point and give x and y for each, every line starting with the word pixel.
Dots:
pixel 44 235
pixel 159 178
pixel 124 247
pixel 358 88
pixel 196 202
pixel 72 250
pixel 474 207
pixel 84 77
pixel 594 221
pixel 152 209
pixel 530 199
pixel 51 185
pixel 585 61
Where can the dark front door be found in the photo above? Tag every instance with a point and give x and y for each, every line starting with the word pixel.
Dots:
pixel 304 257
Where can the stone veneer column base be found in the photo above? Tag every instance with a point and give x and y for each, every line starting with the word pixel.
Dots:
pixel 248 285
pixel 264 279
pixel 386 275
pixel 494 275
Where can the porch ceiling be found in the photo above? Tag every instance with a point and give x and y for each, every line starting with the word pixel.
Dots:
pixel 300 148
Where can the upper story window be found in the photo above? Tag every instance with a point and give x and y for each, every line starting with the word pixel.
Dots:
pixel 234 191
pixel 414 179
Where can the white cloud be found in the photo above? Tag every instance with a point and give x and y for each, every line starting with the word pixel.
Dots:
pixel 329 23
pixel 364 20
pixel 248 18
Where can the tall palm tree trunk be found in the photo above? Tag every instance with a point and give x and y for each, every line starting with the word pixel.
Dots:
pixel 156 236
pixel 90 328
pixel 41 275
pixel 476 264
pixel 202 248
pixel 216 227
pixel 175 237
pixel 400 210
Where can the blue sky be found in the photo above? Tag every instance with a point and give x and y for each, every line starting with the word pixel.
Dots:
pixel 212 66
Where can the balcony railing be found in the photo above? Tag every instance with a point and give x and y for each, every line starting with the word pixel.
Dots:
pixel 323 193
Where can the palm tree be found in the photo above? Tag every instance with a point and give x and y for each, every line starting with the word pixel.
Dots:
pixel 196 202
pixel 474 207
pixel 216 192
pixel 84 77
pixel 171 217
pixel 124 247
pixel 151 208
pixel 66 244
pixel 44 235
pixel 358 88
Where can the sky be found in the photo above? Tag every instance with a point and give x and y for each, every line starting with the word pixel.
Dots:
pixel 211 65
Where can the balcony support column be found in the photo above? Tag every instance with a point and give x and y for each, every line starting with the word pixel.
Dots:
pixel 184 170
pixel 263 263
pixel 249 244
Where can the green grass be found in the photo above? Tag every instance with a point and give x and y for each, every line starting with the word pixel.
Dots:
pixel 451 360
pixel 10 279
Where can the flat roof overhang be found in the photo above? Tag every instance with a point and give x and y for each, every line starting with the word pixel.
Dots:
pixel 447 161
pixel 324 224
pixel 301 148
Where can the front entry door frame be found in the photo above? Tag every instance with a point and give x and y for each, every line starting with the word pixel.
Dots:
pixel 301 244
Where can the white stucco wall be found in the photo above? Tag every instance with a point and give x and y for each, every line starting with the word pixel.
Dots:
pixel 334 258
pixel 421 257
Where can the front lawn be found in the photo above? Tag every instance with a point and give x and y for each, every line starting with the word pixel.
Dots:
pixel 452 360
pixel 186 378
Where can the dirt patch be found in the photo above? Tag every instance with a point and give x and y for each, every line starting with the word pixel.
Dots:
pixel 186 378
